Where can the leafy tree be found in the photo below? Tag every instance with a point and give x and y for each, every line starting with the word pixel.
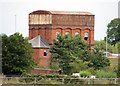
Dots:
pixel 101 45
pixel 98 60
pixel 16 55
pixel 115 48
pixel 73 55
pixel 68 52
pixel 113 31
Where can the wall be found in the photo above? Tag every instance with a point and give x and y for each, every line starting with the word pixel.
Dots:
pixel 72 30
pixel 40 58
pixel 76 20
pixel 40 19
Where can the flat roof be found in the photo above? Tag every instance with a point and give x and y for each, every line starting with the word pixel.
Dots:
pixel 61 12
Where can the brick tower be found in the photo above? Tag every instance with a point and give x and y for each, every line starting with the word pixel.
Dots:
pixel 45 25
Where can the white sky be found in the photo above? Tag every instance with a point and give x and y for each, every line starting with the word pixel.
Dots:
pixel 104 10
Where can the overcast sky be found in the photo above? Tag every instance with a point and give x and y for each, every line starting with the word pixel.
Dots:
pixel 104 10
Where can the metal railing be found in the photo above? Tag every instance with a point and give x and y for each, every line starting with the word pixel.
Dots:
pixel 40 80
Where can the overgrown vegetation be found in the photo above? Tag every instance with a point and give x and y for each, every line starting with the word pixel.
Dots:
pixel 71 54
pixel 85 73
pixel 53 79
pixel 113 37
pixel 101 45
pixel 113 31
pixel 105 74
pixel 16 55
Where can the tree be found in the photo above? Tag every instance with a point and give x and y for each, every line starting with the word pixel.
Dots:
pixel 113 31
pixel 97 57
pixel 73 55
pixel 69 52
pixel 101 45
pixel 16 55
pixel 115 48
pixel 98 60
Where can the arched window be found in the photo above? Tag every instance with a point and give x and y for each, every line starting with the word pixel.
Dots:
pixel 67 33
pixel 76 33
pixel 57 33
pixel 86 36
pixel 45 53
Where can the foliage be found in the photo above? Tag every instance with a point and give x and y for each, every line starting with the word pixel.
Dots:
pixel 105 74
pixel 16 55
pixel 77 66
pixel 85 73
pixel 118 73
pixel 113 31
pixel 71 54
pixel 68 52
pixel 98 60
pixel 115 48
pixel 114 64
pixel 101 45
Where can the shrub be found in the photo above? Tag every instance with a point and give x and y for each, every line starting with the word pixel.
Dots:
pixel 85 73
pixel 105 74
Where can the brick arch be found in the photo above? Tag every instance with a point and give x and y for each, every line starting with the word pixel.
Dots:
pixel 89 34
pixel 53 32
pixel 76 30
pixel 31 33
pixel 58 30
pixel 66 30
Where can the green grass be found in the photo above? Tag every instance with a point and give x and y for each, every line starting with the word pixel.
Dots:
pixel 113 63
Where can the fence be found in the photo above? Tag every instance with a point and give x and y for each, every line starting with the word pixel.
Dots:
pixel 40 80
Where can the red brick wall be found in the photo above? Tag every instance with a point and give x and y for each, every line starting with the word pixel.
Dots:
pixel 72 30
pixel 40 58
pixel 86 20
pixel 49 33
pixel 44 31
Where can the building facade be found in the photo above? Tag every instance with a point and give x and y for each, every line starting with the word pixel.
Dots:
pixel 48 24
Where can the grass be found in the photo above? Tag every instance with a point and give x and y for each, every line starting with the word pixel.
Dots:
pixel 113 62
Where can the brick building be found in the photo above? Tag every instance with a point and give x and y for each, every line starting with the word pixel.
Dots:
pixel 45 25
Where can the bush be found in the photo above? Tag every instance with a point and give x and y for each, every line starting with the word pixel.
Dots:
pixel 45 75
pixel 105 74
pixel 85 73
